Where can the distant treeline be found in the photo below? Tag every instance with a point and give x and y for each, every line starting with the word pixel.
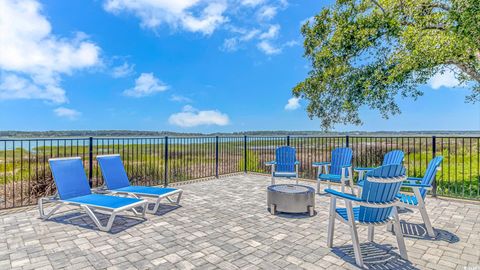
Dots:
pixel 135 133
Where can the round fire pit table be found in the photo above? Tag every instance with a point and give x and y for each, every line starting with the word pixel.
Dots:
pixel 291 199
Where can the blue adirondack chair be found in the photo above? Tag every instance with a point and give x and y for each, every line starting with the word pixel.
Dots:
pixel 339 170
pixel 420 186
pixel 377 206
pixel 73 189
pixel 392 157
pixel 285 163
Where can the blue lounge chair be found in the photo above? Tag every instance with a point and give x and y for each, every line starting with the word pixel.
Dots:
pixel 377 206
pixel 392 157
pixel 73 189
pixel 420 186
pixel 285 163
pixel 117 182
pixel 339 170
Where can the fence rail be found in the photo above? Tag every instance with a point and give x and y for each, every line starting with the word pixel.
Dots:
pixel 25 175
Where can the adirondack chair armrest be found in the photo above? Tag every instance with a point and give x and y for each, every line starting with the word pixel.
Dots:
pixel 357 169
pixel 270 163
pixel 297 162
pixel 415 185
pixel 342 195
pixel 346 166
pixel 319 164
pixel 414 179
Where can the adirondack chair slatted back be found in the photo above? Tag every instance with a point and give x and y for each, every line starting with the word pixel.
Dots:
pixel 393 157
pixel 381 192
pixel 285 157
pixel 113 172
pixel 340 157
pixel 70 178
pixel 430 173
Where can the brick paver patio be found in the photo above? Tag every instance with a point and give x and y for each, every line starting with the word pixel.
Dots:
pixel 224 224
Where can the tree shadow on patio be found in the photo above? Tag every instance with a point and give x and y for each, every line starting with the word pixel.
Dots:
pixel 418 231
pixel 375 256
pixel 80 219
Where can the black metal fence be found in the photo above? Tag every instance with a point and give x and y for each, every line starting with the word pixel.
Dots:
pixel 25 175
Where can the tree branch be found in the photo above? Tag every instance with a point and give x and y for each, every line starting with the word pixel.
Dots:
pixel 378 5
pixel 469 70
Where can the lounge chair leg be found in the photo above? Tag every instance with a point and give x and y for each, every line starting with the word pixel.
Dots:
pixel 371 231
pixel 92 215
pixel 155 207
pixel 353 230
pixel 41 209
pixel 331 222
pixel 177 201
pixel 399 235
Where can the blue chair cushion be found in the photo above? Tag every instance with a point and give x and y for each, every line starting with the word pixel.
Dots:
pixel 343 213
pixel 330 177
pixel 407 199
pixel 141 190
pixel 105 201
pixel 285 174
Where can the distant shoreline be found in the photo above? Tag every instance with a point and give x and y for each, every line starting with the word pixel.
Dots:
pixel 133 133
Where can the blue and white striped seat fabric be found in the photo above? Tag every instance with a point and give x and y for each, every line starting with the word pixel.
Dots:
pixel 117 182
pixel 285 163
pixel 420 186
pixel 377 206
pixel 339 170
pixel 73 189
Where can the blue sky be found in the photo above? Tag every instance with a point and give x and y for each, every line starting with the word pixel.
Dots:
pixel 184 65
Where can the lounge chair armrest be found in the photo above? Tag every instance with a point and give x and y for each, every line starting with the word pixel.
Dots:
pixel 363 169
pixel 342 195
pixel 318 164
pixel 270 163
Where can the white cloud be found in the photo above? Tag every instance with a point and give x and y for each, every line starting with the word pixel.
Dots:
pixel 230 44
pixel 67 113
pixel 146 85
pixel 267 13
pixel 272 32
pixel 252 3
pixel 123 70
pixel 292 104
pixel 182 99
pixel 191 117
pixel 32 59
pixel 268 48
pixel 178 13
pixel 445 79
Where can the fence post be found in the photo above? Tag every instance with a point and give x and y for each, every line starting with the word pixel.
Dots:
pixel 90 161
pixel 245 153
pixel 347 141
pixel 216 156
pixel 288 140
pixel 434 153
pixel 165 165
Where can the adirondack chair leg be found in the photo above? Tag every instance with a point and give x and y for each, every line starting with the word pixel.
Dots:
pixel 353 230
pixel 423 212
pixel 399 235
pixel 352 187
pixel 343 187
pixel 318 186
pixel 371 231
pixel 331 221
